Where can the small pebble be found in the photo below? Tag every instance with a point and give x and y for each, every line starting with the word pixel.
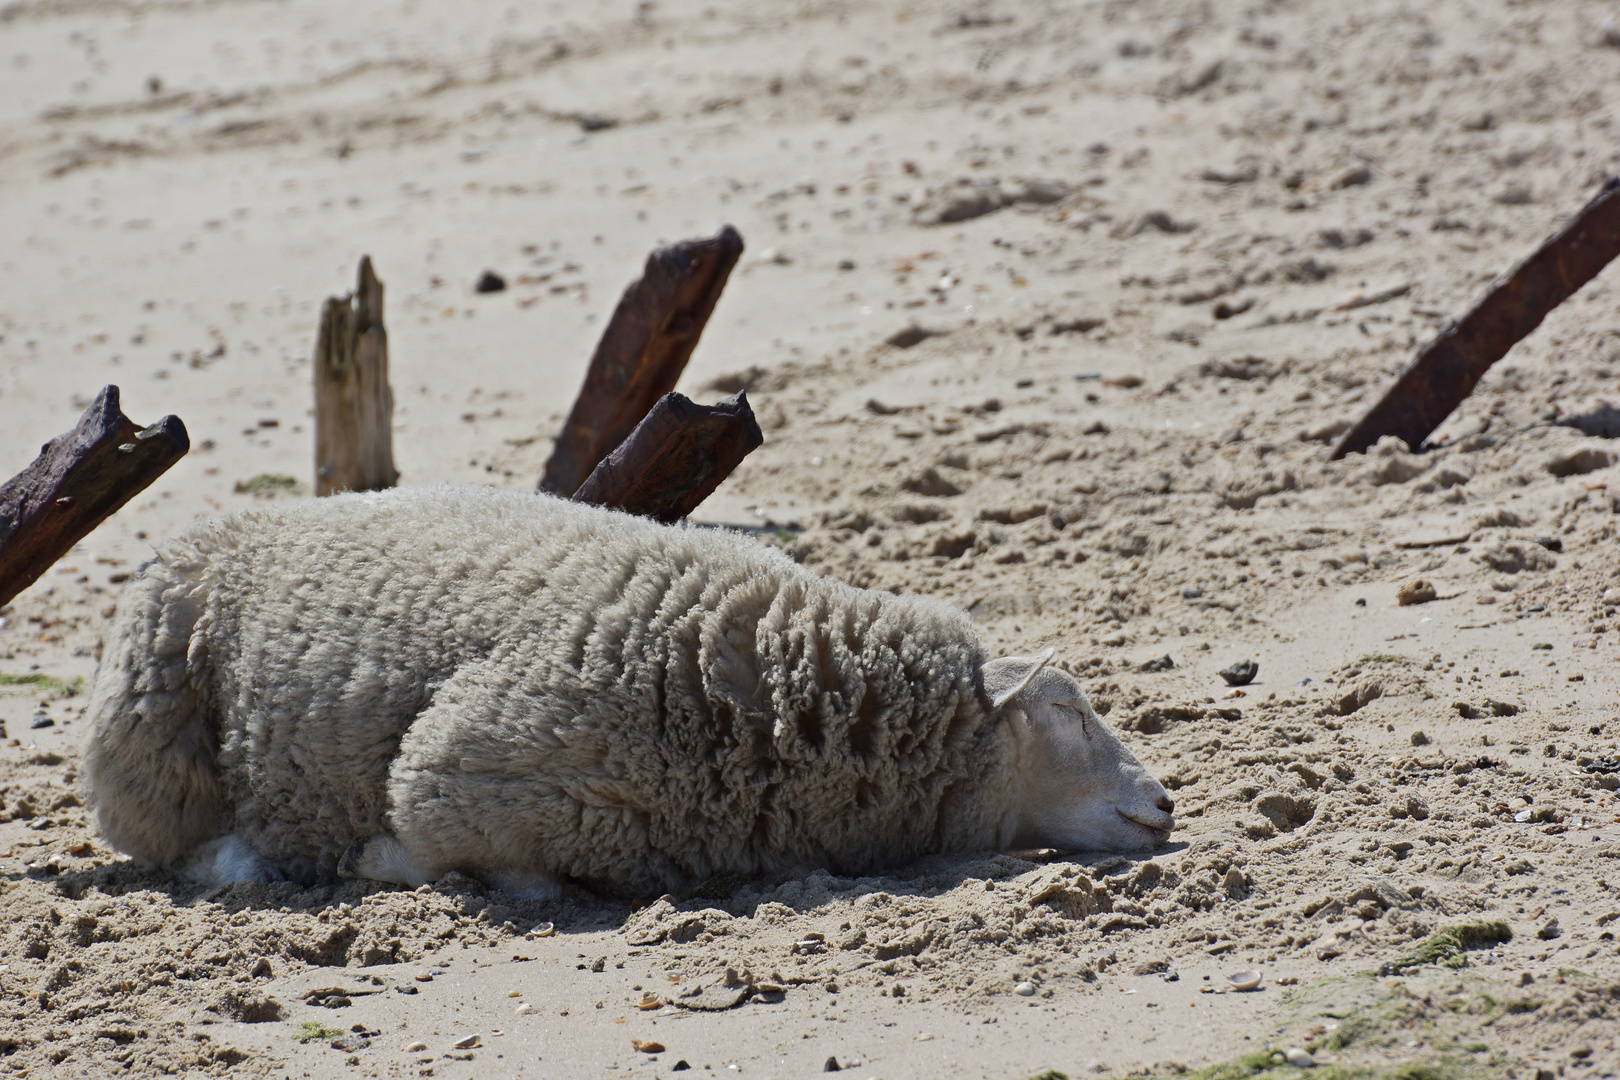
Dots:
pixel 514 993
pixel 416 1047
pixel 1194 594
pixel 1241 673
pixel 525 1009
pixel 1298 1057
pixel 1549 930
pixel 42 721
pixel 1611 597
pixel 1024 989
pixel 490 282
pixel 1420 739
pixel 1416 591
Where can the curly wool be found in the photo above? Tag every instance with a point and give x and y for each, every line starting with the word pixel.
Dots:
pixel 509 681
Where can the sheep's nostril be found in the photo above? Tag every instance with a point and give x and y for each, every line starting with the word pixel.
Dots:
pixel 1166 803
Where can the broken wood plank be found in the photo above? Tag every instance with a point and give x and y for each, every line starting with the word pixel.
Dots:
pixel 76 483
pixel 1450 366
pixel 674 459
pixel 354 405
pixel 642 352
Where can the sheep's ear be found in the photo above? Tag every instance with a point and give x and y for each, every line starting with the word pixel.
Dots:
pixel 1005 679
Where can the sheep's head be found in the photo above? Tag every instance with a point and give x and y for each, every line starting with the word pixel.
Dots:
pixel 1081 789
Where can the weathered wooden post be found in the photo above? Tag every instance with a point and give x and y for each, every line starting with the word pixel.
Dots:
pixel 354 405
pixel 1450 366
pixel 642 352
pixel 675 458
pixel 78 481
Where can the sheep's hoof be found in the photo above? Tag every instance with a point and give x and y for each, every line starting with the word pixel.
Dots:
pixel 349 864
pixel 382 858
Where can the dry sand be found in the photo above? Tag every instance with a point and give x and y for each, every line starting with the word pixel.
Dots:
pixel 1162 251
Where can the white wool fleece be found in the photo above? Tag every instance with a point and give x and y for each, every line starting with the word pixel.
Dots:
pixel 510 683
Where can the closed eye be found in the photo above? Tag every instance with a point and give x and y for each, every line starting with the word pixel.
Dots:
pixel 1079 714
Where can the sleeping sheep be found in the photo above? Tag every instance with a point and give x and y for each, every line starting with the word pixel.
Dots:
pixel 393 686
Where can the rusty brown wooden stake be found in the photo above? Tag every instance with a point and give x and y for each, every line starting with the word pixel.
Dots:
pixel 1449 368
pixel 675 458
pixel 78 481
pixel 642 352
pixel 354 405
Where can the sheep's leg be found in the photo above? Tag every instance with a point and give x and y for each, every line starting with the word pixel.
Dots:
pixel 382 858
pixel 227 860
pixel 474 786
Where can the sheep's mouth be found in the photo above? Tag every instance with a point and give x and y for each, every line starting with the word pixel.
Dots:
pixel 1160 832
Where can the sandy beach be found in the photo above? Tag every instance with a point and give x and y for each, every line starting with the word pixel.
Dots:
pixel 1052 311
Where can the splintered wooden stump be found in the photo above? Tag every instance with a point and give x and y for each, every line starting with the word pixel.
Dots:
pixel 674 458
pixel 354 406
pixel 642 352
pixel 1449 367
pixel 76 483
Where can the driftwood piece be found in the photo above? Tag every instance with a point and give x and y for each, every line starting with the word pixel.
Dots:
pixel 76 483
pixel 1449 367
pixel 674 458
pixel 354 405
pixel 642 352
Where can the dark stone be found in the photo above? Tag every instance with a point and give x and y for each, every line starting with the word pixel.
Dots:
pixel 911 335
pixel 490 281
pixel 1241 673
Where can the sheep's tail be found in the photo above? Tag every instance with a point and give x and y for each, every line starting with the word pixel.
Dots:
pixel 149 757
